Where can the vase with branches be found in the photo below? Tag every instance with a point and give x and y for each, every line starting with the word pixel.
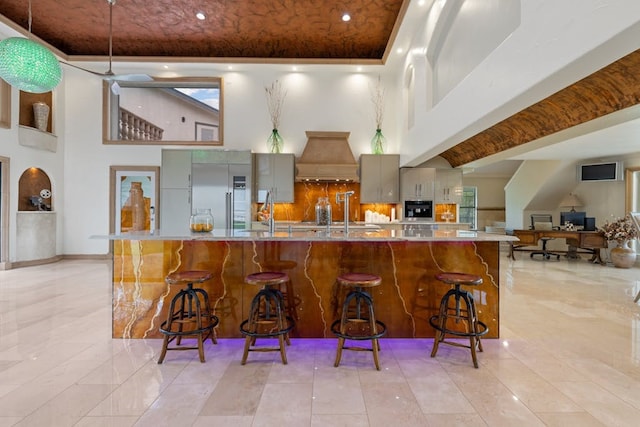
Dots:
pixel 275 99
pixel 378 142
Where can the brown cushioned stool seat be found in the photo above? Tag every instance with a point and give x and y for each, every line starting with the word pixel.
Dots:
pixel 189 314
pixel 358 321
pixel 267 318
pixel 458 316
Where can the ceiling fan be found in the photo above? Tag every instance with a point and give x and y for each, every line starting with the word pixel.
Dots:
pixel 109 74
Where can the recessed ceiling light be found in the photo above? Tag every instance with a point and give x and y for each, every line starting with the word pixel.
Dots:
pixel 166 67
pixel 201 16
pixel 399 50
pixel 359 69
pixel 294 68
pixel 230 67
pixel 346 17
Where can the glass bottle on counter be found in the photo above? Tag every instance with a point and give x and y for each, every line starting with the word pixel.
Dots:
pixel 201 221
pixel 323 211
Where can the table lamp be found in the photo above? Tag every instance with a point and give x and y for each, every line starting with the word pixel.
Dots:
pixel 571 200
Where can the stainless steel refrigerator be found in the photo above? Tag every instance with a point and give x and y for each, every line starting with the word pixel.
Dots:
pixel 226 190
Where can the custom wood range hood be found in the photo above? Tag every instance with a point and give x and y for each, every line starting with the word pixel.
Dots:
pixel 327 157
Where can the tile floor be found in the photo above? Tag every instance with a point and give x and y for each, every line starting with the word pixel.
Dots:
pixel 569 355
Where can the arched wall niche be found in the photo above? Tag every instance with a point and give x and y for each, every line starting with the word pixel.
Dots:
pixel 34 191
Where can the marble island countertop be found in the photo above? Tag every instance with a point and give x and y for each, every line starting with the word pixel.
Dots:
pixel 356 233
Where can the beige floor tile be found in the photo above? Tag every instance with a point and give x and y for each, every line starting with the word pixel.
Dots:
pixel 338 395
pixel 238 391
pixel 601 404
pixel 339 420
pixel 568 355
pixel 564 419
pixel 455 420
pixel 224 421
pixel 392 404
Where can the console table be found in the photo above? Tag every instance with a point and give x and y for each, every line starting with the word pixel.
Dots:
pixel 591 241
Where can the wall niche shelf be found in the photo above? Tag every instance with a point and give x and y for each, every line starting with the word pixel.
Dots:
pixel 26 116
pixel 34 138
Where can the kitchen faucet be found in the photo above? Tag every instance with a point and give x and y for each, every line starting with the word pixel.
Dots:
pixel 344 197
pixel 269 202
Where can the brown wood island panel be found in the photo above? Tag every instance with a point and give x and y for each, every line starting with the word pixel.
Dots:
pixel 408 296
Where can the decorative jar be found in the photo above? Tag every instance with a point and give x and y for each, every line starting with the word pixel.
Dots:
pixel 201 221
pixel 275 142
pixel 323 211
pixel 378 143
pixel 622 256
pixel 41 115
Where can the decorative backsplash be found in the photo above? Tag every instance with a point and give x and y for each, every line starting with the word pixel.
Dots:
pixel 307 194
pixel 444 210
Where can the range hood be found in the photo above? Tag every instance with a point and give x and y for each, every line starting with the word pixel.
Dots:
pixel 327 157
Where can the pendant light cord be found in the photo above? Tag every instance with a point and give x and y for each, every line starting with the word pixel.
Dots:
pixel 29 22
pixel 111 3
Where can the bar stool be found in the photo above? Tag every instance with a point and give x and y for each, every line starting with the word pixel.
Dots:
pixel 358 321
pixel 267 318
pixel 444 322
pixel 290 299
pixel 190 314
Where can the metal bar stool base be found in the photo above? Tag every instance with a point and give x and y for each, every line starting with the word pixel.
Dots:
pixel 267 318
pixel 358 322
pixel 190 315
pixel 457 314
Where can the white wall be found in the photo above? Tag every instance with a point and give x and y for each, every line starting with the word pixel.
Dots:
pixel 329 100
pixel 554 38
pixel 22 158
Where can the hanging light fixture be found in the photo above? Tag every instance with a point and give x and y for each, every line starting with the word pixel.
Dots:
pixel 28 65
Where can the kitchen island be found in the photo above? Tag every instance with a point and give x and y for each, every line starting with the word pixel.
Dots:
pixel 406 260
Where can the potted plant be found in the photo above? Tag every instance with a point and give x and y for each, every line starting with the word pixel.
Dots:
pixel 622 231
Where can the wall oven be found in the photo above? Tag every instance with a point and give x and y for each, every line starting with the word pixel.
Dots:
pixel 418 210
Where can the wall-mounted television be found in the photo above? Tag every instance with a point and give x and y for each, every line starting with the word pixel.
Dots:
pixel 609 171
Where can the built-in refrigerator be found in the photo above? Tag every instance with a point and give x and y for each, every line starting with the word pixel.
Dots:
pixel 226 190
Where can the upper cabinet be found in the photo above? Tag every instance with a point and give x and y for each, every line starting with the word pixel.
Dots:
pixel 379 178
pixel 418 183
pixel 448 186
pixel 176 169
pixel 274 171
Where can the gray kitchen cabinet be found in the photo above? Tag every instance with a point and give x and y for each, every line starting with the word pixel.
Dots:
pixel 448 186
pixel 417 183
pixel 274 171
pixel 175 191
pixel 176 169
pixel 175 205
pixel 379 178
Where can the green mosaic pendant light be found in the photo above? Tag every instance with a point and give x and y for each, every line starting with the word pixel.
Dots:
pixel 28 65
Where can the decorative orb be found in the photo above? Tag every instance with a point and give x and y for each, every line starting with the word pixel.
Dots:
pixel 29 66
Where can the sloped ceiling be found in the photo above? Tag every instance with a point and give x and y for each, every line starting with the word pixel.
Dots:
pixel 610 89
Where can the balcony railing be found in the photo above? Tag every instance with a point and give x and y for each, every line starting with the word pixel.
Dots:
pixel 135 128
